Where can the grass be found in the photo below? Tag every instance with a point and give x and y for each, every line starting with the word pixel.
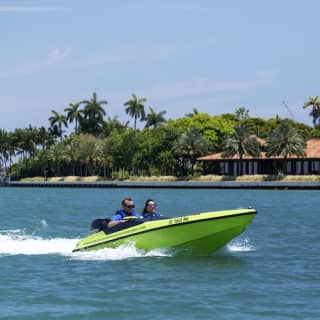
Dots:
pixel 206 178
pixel 55 179
pixel 260 178
pixel 72 178
pixel 61 179
pixel 309 178
pixel 91 179
pixel 153 178
pixel 33 179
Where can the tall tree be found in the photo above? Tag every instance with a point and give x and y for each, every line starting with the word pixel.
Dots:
pixel 285 141
pixel 112 124
pixel 104 147
pixel 74 114
pixel 4 148
pixel 93 115
pixel 88 152
pixel 72 153
pixel 25 142
pixel 135 108
pixel 240 143
pixel 154 119
pixel 188 147
pixel 43 140
pixel 314 103
pixel 11 148
pixel 59 120
pixel 56 154
pixel 194 112
pixel 242 114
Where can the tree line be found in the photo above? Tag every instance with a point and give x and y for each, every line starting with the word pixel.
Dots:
pixel 109 147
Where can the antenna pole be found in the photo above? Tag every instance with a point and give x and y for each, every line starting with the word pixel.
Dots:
pixel 289 110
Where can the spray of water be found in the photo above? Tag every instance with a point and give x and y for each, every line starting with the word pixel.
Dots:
pixel 240 245
pixel 125 251
pixel 14 242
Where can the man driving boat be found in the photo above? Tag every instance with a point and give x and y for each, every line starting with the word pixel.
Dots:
pixel 124 214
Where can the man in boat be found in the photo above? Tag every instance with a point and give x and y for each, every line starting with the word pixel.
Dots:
pixel 124 214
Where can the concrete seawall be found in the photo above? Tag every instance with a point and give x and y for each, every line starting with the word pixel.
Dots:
pixel 293 185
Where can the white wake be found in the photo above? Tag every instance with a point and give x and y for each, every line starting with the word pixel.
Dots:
pixel 14 242
pixel 241 245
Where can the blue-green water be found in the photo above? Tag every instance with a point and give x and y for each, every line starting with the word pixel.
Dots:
pixel 269 272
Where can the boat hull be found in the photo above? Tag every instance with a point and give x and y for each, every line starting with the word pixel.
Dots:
pixel 202 233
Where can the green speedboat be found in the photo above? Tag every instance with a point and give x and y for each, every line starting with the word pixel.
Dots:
pixel 202 233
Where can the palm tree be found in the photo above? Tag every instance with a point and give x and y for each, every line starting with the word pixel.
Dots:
pixel 93 115
pixel 43 140
pixel 154 119
pixel 24 141
pixel 135 108
pixel 188 147
pixel 241 143
pixel 11 148
pixel 56 154
pixel 104 147
pixel 72 153
pixel 285 141
pixel 74 114
pixel 4 148
pixel 315 112
pixel 242 114
pixel 88 152
pixel 42 158
pixel 114 124
pixel 193 113
pixel 58 120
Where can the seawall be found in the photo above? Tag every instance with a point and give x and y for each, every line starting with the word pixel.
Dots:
pixel 292 185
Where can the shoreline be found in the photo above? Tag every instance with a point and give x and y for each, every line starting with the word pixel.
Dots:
pixel 284 185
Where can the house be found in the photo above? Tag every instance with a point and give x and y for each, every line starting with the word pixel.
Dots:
pixel 309 164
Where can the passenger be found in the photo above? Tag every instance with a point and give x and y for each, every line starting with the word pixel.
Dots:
pixel 149 210
pixel 126 211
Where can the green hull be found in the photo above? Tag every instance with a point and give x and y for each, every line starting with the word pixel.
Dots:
pixel 201 233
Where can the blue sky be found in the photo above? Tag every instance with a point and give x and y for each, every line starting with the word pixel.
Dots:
pixel 215 56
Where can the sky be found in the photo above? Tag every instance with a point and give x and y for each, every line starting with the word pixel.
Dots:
pixel 212 55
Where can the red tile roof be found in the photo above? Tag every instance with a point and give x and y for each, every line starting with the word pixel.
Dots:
pixel 312 151
pixel 313 148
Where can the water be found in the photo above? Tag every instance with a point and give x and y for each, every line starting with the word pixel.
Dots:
pixel 269 272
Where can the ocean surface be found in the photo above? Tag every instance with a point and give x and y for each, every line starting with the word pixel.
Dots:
pixel 272 271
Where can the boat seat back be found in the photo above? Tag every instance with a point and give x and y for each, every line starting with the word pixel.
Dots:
pixel 99 225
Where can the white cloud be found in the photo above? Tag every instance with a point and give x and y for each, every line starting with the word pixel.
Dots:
pixel 204 86
pixel 128 55
pixel 27 9
pixel 55 57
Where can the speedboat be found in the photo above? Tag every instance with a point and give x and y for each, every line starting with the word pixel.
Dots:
pixel 199 233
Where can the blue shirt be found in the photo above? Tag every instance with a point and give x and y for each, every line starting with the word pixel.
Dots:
pixel 150 216
pixel 120 214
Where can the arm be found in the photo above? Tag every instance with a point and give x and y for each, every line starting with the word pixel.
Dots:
pixel 114 223
pixel 118 219
pixel 115 220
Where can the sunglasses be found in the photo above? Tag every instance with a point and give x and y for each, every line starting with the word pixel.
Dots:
pixel 130 207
